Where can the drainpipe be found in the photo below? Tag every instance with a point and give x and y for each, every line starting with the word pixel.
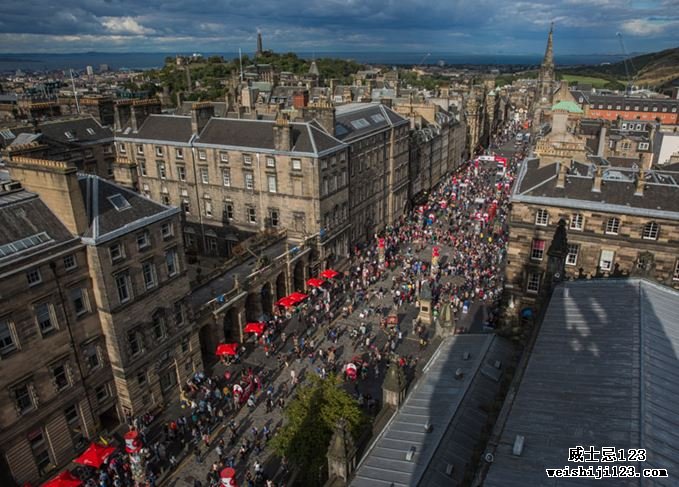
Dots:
pixel 195 179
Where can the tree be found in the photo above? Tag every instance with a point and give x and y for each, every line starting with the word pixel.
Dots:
pixel 310 421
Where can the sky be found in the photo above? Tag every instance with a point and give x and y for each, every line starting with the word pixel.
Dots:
pixel 452 26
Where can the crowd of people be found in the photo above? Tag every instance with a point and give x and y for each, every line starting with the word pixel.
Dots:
pixel 464 218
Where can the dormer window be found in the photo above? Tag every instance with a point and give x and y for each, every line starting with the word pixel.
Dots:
pixel 119 202
pixel 90 131
pixel 69 135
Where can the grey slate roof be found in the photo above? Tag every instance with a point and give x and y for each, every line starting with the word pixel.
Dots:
pixel 105 221
pixel 22 215
pixel 435 399
pixel 660 198
pixel 604 372
pixel 78 127
pixel 375 116
pixel 170 128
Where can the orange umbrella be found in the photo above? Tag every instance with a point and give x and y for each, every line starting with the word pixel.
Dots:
pixel 227 349
pixel 315 282
pixel 329 274
pixel 255 328
pixel 64 479
pixel 95 455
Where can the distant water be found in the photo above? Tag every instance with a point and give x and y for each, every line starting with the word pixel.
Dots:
pixel 116 61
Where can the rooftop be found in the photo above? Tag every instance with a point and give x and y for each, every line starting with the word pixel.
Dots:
pixel 603 372
pixel 355 120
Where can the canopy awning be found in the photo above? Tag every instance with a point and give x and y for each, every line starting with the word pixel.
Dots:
pixel 227 349
pixel 64 479
pixel 95 455
pixel 329 273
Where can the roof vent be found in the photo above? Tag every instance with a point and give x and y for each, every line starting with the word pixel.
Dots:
pixel 489 457
pixel 497 364
pixel 459 374
pixel 518 445
pixel 428 427
pixel 449 470
pixel 410 454
pixel 465 356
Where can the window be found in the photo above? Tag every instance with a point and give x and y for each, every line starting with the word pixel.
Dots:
pixel 650 231
pixel 121 148
pixel 249 181
pixel 247 159
pixel 208 208
pixel 161 170
pixel 91 354
pixel 296 164
pixel 324 164
pixel 70 262
pixel 226 177
pixel 88 153
pixel 178 313
pixel 572 256
pixel 23 398
pixel 159 151
pixel 202 155
pixel 186 206
pixel 274 217
pixel 119 202
pixel 33 277
pixel 179 153
pixel 158 326
pixel 166 230
pixel 141 377
pixel 40 450
pixel 325 188
pixel 148 270
pixel 143 240
pixel 537 249
pixel 7 342
pixel 643 145
pixel 638 127
pixel 228 211
pixel 606 260
pixel 116 252
pixel 270 162
pixel 675 274
pixel 165 199
pixel 252 214
pixel 142 168
pixel 140 149
pixel 102 392
pixel 533 284
pixel 181 172
pixel 44 314
pixel 171 262
pixel 60 377
pixel 204 175
pixel 542 218
pixel 79 299
pixel 612 226
pixel 577 221
pixel 134 342
pixel 123 286
pixel 71 414
pixel 271 181
pixel 224 157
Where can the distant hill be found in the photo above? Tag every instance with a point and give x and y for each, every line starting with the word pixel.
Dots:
pixel 657 70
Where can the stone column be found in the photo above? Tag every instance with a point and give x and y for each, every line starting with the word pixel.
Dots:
pixel 394 386
pixel 341 452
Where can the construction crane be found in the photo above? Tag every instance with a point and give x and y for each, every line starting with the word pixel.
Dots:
pixel 424 58
pixel 628 88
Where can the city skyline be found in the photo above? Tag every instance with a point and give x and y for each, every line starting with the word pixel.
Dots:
pixel 484 27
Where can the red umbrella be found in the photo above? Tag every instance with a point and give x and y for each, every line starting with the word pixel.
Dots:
pixel 227 349
pixel 329 274
pixel 315 282
pixel 64 479
pixel 255 328
pixel 297 297
pixel 286 302
pixel 228 478
pixel 95 455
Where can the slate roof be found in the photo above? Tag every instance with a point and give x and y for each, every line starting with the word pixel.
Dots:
pixel 356 120
pixel 307 138
pixel 435 399
pixel 604 100
pixel 603 372
pixel 169 128
pixel 660 198
pixel 185 108
pixel 22 215
pixel 105 221
pixel 78 128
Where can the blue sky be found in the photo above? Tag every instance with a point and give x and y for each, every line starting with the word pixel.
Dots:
pixel 458 26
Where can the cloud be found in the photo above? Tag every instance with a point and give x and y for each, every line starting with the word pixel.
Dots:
pixel 647 27
pixel 125 25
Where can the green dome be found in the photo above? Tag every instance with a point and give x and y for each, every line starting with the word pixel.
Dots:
pixel 569 106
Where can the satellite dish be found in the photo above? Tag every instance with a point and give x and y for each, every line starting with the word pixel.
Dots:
pixel 489 457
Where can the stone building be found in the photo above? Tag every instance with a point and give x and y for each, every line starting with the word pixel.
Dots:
pixel 620 221
pixel 611 107
pixel 131 300
pixel 57 386
pixel 237 176
pixel 378 179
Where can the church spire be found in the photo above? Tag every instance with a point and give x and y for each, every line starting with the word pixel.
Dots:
pixel 549 52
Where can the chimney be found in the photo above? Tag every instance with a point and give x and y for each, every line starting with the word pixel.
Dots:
pixel 602 141
pixel 282 135
pixel 300 99
pixel 122 113
pixel 201 113
pixel 387 102
pixel 596 187
pixel 323 112
pixel 639 190
pixel 56 182
pixel 561 177
pixel 141 109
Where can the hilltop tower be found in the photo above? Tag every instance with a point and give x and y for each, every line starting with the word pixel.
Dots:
pixel 259 44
